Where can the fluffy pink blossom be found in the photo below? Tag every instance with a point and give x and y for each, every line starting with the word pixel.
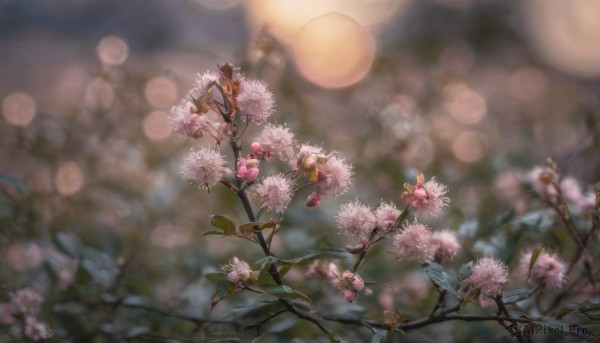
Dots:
pixel 184 122
pixel 203 166
pixel 334 177
pixel 275 192
pixel 413 243
pixel 247 169
pixel 356 220
pixel 386 214
pixel 427 199
pixel 548 270
pixel 445 245
pixel 255 100
pixel 488 276
pixel 36 330
pixel 275 141
pixel 239 270
pixel 358 283
pixel 26 301
pixel 349 295
pixel 325 270
pixel 201 84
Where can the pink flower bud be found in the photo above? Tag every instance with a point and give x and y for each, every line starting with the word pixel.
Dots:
pixel 251 163
pixel 349 296
pixel 313 200
pixel 233 277
pixel 420 194
pixel 251 175
pixel 256 148
pixel 242 170
pixel 358 283
pixel 347 274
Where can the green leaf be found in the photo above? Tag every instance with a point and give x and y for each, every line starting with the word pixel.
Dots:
pixel 516 295
pixel 223 291
pixel 379 337
pixel 503 219
pixel 223 223
pixel 464 271
pixel 213 233
pixel 335 339
pixel 216 277
pixel 11 181
pixel 534 256
pixel 268 225
pixel 67 243
pixel 278 290
pixel 247 229
pixel 439 277
pixel 100 266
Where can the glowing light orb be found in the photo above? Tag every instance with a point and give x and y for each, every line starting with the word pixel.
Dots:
pixel 113 50
pixel 18 109
pixel 334 50
pixel 161 92
pixel 157 126
pixel 69 178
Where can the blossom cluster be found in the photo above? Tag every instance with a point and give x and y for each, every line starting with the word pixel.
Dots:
pixel 548 184
pixel 25 305
pixel 214 106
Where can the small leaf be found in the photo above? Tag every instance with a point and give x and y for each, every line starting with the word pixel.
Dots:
pixel 213 233
pixel 247 229
pixel 534 256
pixel 516 295
pixel 216 277
pixel 438 276
pixel 335 339
pixel 69 244
pixel 278 290
pixel 268 225
pixel 220 293
pixel 379 337
pixel 464 271
pixel 223 223
pixel 11 181
pixel 503 219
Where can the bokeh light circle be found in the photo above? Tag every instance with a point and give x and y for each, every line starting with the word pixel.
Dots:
pixel 161 92
pixel 18 109
pixel 566 33
pixel 468 146
pixel 113 50
pixel 334 50
pixel 157 126
pixel 69 178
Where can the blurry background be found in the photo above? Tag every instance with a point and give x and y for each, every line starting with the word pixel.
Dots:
pixel 472 92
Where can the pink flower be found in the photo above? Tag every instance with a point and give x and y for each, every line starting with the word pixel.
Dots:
pixel 275 141
pixel 349 296
pixel 446 245
pixel 26 301
pixel 201 84
pixel 239 270
pixel 427 199
pixel 36 330
pixel 313 200
pixel 184 122
pixel 204 166
pixel 356 220
pixel 414 243
pixel 255 100
pixel 358 283
pixel 488 276
pixel 247 170
pixel 275 192
pixel 334 177
pixel 325 270
pixel 386 214
pixel 548 270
